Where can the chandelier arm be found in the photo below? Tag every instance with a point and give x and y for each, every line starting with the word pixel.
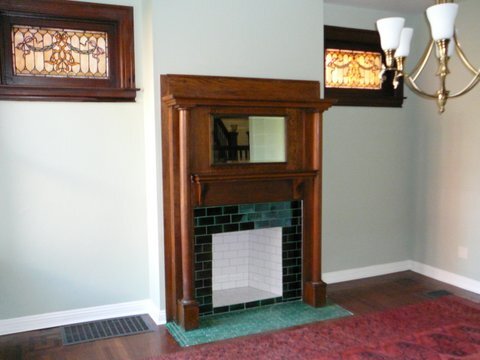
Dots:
pixel 470 86
pixel 440 39
pixel 421 63
pixel 464 58
pixel 410 82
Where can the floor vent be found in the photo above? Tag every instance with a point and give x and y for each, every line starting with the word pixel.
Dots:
pixel 104 329
pixel 437 293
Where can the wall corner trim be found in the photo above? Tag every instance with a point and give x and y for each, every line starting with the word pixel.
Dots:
pixel 447 277
pixel 158 315
pixel 60 318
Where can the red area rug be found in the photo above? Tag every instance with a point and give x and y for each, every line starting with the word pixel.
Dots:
pixel 446 328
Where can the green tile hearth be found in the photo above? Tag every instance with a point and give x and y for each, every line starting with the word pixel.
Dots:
pixel 254 321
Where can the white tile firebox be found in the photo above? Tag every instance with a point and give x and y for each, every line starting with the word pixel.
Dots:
pixel 247 266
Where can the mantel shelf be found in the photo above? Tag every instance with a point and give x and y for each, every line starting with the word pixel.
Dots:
pixel 286 175
pixel 185 102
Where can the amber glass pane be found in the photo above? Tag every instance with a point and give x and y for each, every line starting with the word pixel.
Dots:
pixel 351 69
pixel 51 52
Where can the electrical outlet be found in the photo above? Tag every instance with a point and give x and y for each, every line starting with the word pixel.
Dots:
pixel 462 252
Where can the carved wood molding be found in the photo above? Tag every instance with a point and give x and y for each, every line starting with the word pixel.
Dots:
pixel 203 183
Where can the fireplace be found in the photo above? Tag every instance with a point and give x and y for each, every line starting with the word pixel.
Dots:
pixel 247 255
pixel 208 181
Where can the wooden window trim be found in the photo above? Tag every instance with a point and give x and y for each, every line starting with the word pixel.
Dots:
pixel 116 20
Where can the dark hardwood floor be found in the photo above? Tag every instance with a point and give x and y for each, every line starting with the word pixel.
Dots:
pixel 359 296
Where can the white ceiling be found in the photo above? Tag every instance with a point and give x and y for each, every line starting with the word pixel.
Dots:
pixel 403 6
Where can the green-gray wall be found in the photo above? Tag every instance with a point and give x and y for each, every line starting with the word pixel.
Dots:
pixel 447 167
pixel 80 184
pixel 367 202
pixel 73 216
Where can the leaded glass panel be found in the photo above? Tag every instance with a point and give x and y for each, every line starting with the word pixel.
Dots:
pixel 350 69
pixel 53 52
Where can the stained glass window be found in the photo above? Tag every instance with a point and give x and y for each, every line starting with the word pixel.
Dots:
pixel 350 69
pixel 52 52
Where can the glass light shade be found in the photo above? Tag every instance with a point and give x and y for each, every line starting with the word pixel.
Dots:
pixel 405 39
pixel 442 20
pixel 390 29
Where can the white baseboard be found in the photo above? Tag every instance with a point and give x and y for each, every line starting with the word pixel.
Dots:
pixel 365 272
pixel 447 277
pixel 383 269
pixel 60 318
pixel 44 321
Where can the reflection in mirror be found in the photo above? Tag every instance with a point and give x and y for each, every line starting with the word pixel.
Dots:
pixel 248 139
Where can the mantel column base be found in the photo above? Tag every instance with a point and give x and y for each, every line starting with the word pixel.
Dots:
pixel 188 314
pixel 315 293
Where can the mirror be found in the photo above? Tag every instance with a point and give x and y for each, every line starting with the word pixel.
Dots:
pixel 248 139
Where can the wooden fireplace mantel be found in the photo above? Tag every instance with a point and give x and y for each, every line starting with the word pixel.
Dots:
pixel 191 180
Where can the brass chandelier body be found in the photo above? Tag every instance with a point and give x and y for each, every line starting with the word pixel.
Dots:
pixel 397 64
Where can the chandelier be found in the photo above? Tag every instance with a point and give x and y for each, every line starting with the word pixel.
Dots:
pixel 395 42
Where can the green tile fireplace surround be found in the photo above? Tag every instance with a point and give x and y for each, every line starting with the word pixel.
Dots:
pixel 221 219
